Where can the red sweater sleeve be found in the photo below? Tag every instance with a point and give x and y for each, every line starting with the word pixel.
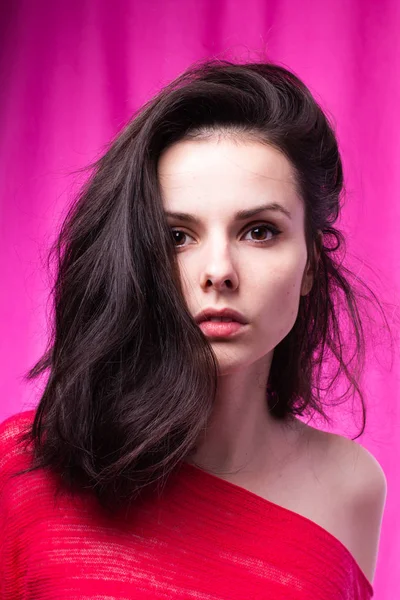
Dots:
pixel 12 459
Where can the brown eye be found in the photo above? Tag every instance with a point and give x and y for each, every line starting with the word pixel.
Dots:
pixel 261 231
pixel 177 236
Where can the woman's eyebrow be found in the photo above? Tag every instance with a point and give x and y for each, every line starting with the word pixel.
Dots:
pixel 241 215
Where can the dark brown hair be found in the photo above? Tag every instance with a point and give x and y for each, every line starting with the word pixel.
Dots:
pixel 132 378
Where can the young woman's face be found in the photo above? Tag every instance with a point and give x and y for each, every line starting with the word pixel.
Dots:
pixel 254 265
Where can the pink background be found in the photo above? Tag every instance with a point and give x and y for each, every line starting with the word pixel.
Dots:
pixel 73 72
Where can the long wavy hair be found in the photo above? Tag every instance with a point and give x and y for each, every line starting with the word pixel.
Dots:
pixel 132 378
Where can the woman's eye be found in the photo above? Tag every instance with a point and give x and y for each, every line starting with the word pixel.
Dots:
pixel 177 234
pixel 260 231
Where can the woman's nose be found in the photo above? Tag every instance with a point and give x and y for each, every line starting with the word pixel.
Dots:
pixel 221 274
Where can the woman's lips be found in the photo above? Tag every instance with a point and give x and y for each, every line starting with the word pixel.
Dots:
pixel 221 328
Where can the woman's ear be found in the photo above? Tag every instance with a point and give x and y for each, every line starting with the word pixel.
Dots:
pixel 308 280
pixel 308 276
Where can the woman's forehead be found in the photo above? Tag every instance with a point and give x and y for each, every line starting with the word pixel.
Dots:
pixel 250 160
pixel 204 177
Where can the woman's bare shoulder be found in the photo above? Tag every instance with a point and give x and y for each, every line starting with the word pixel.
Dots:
pixel 350 463
pixel 359 484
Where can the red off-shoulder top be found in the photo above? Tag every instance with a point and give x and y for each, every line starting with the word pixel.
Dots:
pixel 203 538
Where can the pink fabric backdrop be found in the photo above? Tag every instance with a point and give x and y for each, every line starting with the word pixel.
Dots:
pixel 73 72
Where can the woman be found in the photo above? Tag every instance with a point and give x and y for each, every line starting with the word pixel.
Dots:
pixel 197 297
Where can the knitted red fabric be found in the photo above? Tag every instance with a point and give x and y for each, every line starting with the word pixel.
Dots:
pixel 204 538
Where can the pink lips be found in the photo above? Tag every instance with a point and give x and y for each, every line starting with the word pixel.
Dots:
pixel 229 313
pixel 214 329
pixel 220 328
